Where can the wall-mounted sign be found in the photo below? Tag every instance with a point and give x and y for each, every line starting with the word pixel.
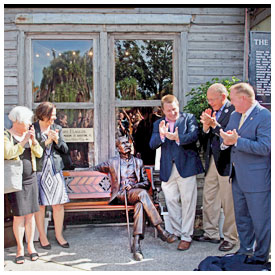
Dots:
pixel 260 66
pixel 78 134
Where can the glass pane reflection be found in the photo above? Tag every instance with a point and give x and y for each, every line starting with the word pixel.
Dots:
pixel 143 69
pixel 78 132
pixel 137 124
pixel 62 70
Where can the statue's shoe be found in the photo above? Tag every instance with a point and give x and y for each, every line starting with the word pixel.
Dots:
pixel 137 253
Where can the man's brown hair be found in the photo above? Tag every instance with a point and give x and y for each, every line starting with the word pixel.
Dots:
pixel 168 99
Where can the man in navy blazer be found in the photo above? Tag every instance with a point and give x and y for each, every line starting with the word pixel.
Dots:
pixel 217 192
pixel 248 134
pixel 177 134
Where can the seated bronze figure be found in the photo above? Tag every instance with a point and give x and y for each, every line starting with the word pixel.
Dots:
pixel 127 174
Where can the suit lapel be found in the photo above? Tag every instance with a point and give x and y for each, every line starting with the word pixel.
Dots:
pixel 224 112
pixel 250 118
pixel 178 121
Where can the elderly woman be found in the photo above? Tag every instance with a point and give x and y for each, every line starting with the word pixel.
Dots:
pixel 51 184
pixel 20 143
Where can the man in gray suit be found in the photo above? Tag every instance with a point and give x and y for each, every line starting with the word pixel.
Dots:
pixel 248 134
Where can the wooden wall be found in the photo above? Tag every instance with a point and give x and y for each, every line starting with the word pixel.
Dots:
pixel 214 39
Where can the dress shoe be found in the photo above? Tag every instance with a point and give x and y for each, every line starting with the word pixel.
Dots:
pixel 162 233
pixel 47 246
pixel 205 239
pixel 165 235
pixel 248 253
pixel 64 245
pixel 172 238
pixel 184 245
pixel 226 246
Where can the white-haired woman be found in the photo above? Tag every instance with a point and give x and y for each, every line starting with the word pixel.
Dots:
pixel 20 143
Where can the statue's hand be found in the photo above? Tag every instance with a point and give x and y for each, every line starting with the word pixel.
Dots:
pixel 128 184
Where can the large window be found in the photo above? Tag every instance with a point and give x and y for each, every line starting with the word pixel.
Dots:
pixel 143 73
pixel 62 73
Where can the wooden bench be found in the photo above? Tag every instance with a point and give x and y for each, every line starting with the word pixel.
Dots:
pixel 91 191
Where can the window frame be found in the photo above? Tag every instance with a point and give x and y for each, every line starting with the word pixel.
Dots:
pixel 28 64
pixel 117 103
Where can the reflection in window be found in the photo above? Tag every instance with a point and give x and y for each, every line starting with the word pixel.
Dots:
pixel 62 70
pixel 78 130
pixel 143 69
pixel 137 124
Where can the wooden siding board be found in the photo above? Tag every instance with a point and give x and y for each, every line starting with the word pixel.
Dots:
pixel 222 70
pixel 106 19
pixel 229 37
pixel 216 46
pixel 198 80
pixel 172 10
pixel 11 90
pixel 219 29
pixel 71 10
pixel 10 81
pixel 10 58
pixel 10 45
pixel 218 19
pixel 202 11
pixel 11 100
pixel 99 28
pixel 215 62
pixel 10 35
pixel 213 54
pixel 10 71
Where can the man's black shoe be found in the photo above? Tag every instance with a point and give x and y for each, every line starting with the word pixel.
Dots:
pixel 205 239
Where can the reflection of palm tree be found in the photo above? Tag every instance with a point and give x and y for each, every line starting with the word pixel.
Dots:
pixel 128 87
pixel 67 75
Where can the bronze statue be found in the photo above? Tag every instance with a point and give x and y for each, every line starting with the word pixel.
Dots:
pixel 127 174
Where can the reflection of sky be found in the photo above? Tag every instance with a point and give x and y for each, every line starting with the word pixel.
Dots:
pixel 44 47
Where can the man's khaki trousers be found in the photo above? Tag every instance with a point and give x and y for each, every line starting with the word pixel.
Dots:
pixel 181 198
pixel 217 193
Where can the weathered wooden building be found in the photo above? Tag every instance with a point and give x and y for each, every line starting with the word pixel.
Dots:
pixel 206 42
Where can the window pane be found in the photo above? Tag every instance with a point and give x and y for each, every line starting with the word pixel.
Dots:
pixel 143 69
pixel 137 124
pixel 78 130
pixel 62 70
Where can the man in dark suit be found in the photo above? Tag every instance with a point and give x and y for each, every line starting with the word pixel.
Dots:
pixel 127 174
pixel 217 191
pixel 248 135
pixel 177 134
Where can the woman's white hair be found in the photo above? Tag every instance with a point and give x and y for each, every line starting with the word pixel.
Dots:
pixel 21 114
